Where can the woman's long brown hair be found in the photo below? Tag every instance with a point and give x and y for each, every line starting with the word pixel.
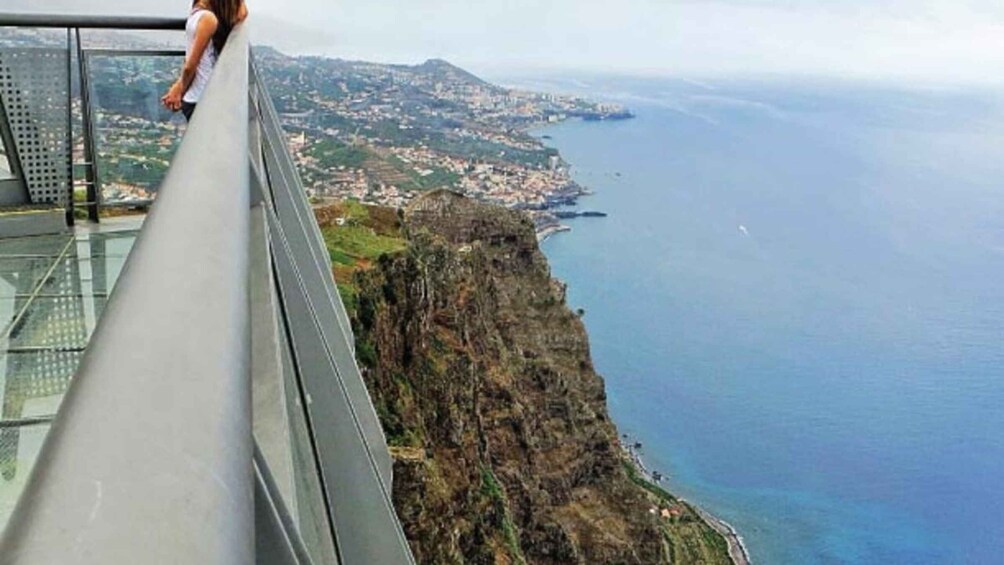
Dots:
pixel 227 12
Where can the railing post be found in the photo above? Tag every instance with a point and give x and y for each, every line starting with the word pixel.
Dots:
pixel 70 219
pixel 91 177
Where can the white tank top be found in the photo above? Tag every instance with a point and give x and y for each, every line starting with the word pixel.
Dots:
pixel 206 63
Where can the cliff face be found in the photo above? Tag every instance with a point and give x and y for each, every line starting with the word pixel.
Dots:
pixel 483 380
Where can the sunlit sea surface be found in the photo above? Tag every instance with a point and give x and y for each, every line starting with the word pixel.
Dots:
pixel 797 301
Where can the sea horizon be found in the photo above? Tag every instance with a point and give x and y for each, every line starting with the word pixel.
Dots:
pixel 791 303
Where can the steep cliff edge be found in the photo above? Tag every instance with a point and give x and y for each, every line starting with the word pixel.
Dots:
pixel 482 377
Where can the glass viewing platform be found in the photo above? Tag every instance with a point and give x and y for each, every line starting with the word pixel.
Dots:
pixel 177 370
pixel 53 289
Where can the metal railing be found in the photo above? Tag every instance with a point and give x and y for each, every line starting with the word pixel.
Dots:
pixel 26 179
pixel 349 446
pixel 94 181
pixel 149 458
pixel 66 21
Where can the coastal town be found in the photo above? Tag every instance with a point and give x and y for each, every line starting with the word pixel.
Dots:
pixel 375 133
pixel 383 134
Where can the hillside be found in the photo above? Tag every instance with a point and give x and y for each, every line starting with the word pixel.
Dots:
pixel 482 377
pixel 377 133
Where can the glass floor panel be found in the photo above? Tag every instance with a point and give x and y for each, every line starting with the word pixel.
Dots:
pixel 55 322
pixel 53 290
pixel 108 244
pixel 19 447
pixel 34 382
pixel 21 275
pixel 90 275
pixel 44 245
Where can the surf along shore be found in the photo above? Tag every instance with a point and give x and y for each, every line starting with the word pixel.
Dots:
pixel 650 480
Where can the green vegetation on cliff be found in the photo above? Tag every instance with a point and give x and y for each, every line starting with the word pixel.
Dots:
pixel 357 235
pixel 331 154
pixel 490 487
pixel 690 539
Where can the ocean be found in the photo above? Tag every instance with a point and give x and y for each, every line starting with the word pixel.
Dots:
pixel 797 304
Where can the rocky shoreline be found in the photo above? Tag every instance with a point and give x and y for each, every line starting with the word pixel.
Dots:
pixel 737 548
pixel 547 231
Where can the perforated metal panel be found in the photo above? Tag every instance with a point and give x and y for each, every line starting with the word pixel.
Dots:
pixel 34 86
pixel 6 169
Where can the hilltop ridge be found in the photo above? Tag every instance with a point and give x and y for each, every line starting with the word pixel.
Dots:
pixel 451 72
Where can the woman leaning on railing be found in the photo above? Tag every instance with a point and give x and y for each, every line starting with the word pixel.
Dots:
pixel 209 24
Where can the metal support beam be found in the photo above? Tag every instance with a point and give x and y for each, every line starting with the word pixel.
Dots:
pixel 70 220
pixel 90 150
pixel 90 22
pixel 276 539
pixel 135 52
pixel 271 419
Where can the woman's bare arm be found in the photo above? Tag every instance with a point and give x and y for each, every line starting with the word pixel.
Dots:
pixel 242 13
pixel 203 36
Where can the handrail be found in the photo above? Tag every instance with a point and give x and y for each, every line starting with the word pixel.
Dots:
pixel 149 459
pixel 91 22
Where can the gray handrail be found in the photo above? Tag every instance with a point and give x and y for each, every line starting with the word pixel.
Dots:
pixel 149 459
pixel 91 22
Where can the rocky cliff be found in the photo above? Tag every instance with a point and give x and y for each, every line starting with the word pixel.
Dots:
pixel 482 377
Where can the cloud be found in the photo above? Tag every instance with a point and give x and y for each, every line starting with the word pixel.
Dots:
pixel 903 40
pixel 926 40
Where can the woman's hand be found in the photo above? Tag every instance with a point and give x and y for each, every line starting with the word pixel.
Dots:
pixel 172 100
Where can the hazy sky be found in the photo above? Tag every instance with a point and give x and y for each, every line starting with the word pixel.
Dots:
pixel 922 40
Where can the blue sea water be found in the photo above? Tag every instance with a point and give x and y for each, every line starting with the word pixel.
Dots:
pixel 797 302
